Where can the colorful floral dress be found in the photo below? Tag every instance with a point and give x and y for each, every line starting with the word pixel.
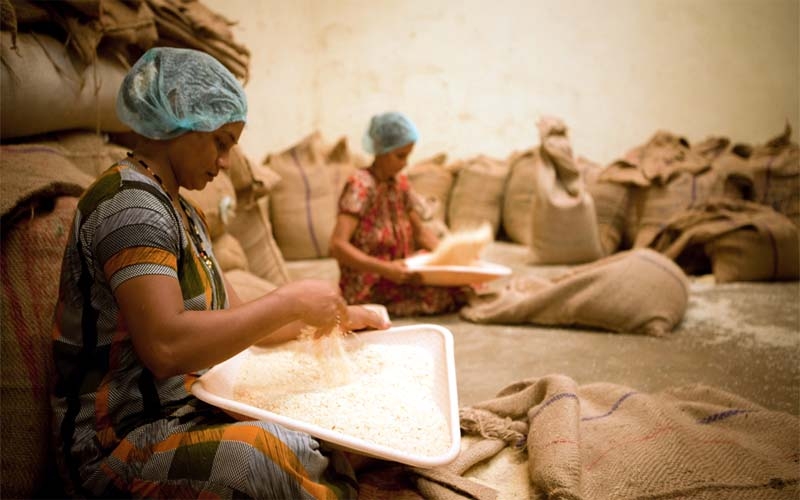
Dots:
pixel 384 231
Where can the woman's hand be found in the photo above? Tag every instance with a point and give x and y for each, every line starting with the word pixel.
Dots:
pixel 361 317
pixel 317 303
pixel 396 271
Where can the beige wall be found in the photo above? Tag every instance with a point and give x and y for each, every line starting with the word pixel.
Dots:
pixel 476 74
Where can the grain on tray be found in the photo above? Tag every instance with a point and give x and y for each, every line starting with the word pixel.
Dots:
pixel 379 393
pixel 461 248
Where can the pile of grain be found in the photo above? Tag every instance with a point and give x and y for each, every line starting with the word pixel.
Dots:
pixel 379 393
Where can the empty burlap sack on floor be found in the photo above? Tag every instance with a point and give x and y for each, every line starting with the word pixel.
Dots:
pixel 636 291
pixel 564 222
pixel 606 441
pixel 739 240
pixel 477 193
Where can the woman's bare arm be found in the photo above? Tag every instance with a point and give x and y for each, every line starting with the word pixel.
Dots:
pixel 346 253
pixel 170 340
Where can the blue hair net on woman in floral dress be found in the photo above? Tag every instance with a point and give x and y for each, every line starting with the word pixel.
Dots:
pixel 389 131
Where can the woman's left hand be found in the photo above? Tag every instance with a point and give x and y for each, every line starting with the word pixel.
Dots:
pixel 360 318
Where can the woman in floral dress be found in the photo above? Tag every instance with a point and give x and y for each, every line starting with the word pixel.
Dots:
pixel 379 225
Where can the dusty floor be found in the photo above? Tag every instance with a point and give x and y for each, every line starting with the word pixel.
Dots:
pixel 740 337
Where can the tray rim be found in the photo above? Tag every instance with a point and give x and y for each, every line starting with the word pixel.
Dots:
pixel 483 269
pixel 239 409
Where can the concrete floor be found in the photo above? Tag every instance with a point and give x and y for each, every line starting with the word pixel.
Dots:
pixel 740 337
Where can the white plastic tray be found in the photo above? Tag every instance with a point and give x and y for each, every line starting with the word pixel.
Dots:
pixel 217 386
pixel 480 272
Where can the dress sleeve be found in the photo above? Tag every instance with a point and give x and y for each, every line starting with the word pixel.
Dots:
pixel 135 234
pixel 355 196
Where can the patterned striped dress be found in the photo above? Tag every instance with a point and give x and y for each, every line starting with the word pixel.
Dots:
pixel 118 430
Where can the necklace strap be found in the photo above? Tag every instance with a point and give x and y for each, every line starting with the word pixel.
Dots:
pixel 194 232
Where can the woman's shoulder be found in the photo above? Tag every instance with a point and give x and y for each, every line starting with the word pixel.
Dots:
pixel 361 177
pixel 402 181
pixel 120 186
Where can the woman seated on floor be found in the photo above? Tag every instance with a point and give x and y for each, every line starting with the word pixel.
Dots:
pixel 379 225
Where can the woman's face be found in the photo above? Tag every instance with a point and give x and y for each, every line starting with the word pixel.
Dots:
pixel 389 164
pixel 197 157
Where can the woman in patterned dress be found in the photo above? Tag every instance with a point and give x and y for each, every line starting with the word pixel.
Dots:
pixel 379 225
pixel 144 308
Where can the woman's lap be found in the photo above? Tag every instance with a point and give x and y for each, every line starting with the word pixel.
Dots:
pixel 200 450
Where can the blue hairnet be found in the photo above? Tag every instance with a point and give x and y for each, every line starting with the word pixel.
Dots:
pixel 171 91
pixel 389 131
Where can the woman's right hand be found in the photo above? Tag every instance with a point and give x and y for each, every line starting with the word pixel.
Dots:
pixel 318 303
pixel 396 271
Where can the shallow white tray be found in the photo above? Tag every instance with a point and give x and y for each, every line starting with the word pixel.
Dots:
pixel 216 387
pixel 480 272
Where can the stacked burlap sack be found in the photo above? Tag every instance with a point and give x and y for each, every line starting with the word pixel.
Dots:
pixel 62 62
pixel 570 210
pixel 303 204
pixel 751 193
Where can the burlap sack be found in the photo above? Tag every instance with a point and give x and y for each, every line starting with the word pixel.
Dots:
pixel 517 214
pixel 636 291
pixel 767 252
pixel 752 241
pixel 775 172
pixel 252 228
pixel 193 25
pixel 477 193
pixel 217 201
pixel 564 221
pixel 655 205
pixel 666 175
pixel 32 251
pixel 115 27
pixel 663 156
pixel 611 204
pixel 606 441
pixel 248 286
pixel 43 91
pixel 302 206
pixel 250 181
pixel 432 179
pixel 33 172
pixel 342 163
pixel 229 253
pixel 92 153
